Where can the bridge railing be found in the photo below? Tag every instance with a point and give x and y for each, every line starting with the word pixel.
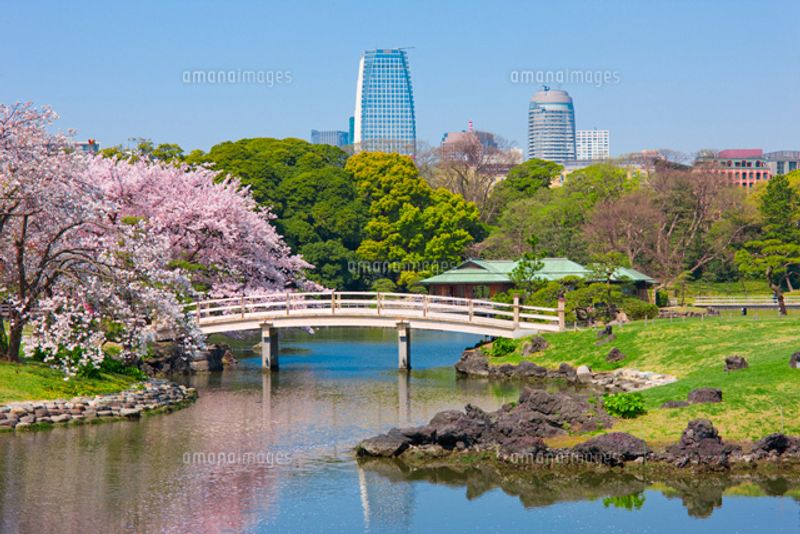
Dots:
pixel 400 305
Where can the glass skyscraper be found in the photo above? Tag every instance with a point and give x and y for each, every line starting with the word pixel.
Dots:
pixel 551 126
pixel 384 117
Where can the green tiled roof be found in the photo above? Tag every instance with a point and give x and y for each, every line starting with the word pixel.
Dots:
pixel 475 271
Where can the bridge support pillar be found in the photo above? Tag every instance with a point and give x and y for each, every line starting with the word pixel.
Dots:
pixel 269 347
pixel 403 346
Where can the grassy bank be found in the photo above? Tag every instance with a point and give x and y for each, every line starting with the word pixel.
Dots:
pixel 756 401
pixel 35 381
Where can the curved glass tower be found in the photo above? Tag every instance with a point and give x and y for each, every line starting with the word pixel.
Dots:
pixel 384 118
pixel 551 126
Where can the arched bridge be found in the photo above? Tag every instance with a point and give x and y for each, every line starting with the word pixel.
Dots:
pixel 403 311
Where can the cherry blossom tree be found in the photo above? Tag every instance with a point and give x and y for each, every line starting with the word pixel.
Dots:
pixel 95 250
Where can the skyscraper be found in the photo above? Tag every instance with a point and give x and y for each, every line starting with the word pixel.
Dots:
pixel 330 137
pixel 384 117
pixel 551 126
pixel 591 145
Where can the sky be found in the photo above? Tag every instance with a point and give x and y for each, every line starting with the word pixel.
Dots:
pixel 676 74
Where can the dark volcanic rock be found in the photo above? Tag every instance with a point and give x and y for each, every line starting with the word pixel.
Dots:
pixel 534 345
pixel 605 332
pixel 531 370
pixel 614 448
pixel 565 371
pixel 473 363
pixel 776 443
pixel 615 355
pixel 735 362
pixel 700 444
pixel 675 404
pixel 511 428
pixel 794 360
pixel 530 446
pixel 705 395
pixel 386 445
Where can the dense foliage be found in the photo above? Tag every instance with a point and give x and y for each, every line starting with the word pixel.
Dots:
pixel 625 405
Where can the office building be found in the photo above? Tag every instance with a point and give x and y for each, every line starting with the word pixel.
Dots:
pixel 384 119
pixel 591 145
pixel 551 126
pixel 330 137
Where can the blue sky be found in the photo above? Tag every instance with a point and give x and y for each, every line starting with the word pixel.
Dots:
pixel 691 74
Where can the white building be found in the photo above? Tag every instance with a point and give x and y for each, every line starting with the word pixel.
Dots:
pixel 591 145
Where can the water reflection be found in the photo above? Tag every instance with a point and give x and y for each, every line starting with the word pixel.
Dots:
pixel 699 494
pixel 162 474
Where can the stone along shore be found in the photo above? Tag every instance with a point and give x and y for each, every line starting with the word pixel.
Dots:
pixel 129 404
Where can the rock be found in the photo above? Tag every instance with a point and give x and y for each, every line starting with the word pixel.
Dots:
pixel 615 356
pixel 472 363
pixel 131 413
pixel 735 362
pixel 521 448
pixel 614 448
pixel 566 372
pixel 675 404
pixel 777 442
pixel 794 360
pixel 393 443
pixel 705 395
pixel 584 374
pixel 530 370
pixel 63 418
pixel 534 345
pixel 605 332
pixel 453 426
pixel 27 419
pixel 700 444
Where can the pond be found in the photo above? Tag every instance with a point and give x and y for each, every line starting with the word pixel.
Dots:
pixel 273 453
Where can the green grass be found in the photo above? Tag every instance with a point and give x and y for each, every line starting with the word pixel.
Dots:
pixel 756 401
pixel 35 381
pixel 742 287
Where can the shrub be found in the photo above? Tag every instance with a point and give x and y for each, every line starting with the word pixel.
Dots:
pixel 112 365
pixel 625 405
pixel 501 346
pixel 662 299
pixel 637 309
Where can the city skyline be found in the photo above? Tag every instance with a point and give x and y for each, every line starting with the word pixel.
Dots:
pixel 682 100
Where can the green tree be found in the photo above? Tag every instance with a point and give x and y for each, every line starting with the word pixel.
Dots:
pixel 417 230
pixel 776 254
pixel 525 274
pixel 524 180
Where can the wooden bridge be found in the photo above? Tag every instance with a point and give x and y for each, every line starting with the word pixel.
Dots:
pixel 402 311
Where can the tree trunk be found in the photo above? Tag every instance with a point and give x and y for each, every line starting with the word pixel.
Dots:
pixel 14 341
pixel 779 294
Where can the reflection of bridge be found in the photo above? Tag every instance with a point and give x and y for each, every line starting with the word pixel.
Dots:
pixel 403 311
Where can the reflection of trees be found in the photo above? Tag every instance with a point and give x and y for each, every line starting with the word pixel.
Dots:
pixel 699 493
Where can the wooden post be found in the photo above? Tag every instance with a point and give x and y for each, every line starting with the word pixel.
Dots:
pixel 379 302
pixel 242 305
pixel 425 301
pixel 333 302
pixel 471 306
pixel 516 311
pixel 288 302
pixel 269 347
pixel 562 325
pixel 403 346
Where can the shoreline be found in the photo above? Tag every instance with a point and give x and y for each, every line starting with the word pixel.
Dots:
pixel 152 397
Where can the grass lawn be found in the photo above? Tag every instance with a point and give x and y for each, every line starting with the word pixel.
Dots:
pixel 756 401
pixel 35 381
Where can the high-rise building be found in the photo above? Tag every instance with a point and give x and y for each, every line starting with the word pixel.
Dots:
pixel 551 126
pixel 330 137
pixel 591 145
pixel 384 119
